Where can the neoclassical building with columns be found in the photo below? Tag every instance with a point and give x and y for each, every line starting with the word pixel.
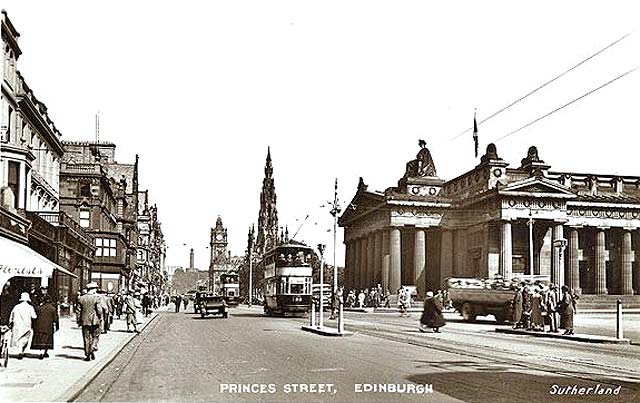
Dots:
pixel 578 229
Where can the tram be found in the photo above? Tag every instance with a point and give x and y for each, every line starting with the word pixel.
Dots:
pixel 287 279
pixel 230 288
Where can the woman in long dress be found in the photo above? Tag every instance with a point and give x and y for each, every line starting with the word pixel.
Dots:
pixel 20 320
pixel 537 321
pixel 566 310
pixel 44 326
pixel 432 313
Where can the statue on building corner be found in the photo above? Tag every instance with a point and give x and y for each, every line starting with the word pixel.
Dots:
pixel 423 165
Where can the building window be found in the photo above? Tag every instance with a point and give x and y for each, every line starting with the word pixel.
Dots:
pixel 106 247
pixel 14 181
pixel 85 190
pixel 84 218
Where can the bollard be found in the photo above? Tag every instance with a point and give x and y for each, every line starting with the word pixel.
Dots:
pixel 313 314
pixel 619 330
pixel 340 319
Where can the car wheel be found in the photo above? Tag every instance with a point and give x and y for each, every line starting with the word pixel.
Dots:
pixel 467 312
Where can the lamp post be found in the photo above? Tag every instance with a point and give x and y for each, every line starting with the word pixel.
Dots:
pixel 321 248
pixel 335 210
pixel 250 276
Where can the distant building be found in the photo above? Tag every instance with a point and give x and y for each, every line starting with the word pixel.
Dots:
pixel 578 229
pixel 189 279
pixel 151 248
pixel 102 195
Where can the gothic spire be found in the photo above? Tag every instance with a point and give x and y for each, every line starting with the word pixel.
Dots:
pixel 267 235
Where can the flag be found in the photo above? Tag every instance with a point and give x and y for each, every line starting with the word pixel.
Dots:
pixel 475 133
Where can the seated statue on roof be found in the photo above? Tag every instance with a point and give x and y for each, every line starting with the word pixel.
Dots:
pixel 423 165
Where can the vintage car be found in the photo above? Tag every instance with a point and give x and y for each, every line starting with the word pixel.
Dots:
pixel 213 304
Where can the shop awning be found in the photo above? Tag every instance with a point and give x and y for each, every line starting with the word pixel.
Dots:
pixel 18 260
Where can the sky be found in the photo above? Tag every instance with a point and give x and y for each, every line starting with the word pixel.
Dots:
pixel 337 89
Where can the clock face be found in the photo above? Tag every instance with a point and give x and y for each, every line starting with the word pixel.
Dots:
pixel 219 237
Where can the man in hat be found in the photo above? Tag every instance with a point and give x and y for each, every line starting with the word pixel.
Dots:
pixel 90 314
pixel 20 319
pixel 129 308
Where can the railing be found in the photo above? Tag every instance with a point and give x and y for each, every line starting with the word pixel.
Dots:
pixel 13 225
pixel 82 168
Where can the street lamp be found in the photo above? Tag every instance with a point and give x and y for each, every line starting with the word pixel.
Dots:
pixel 321 249
pixel 335 210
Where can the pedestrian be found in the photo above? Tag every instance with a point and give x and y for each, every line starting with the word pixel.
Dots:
pixel 566 309
pixel 20 323
pixel 90 319
pixel 387 298
pixel 526 307
pixel 517 308
pixel 537 321
pixel 185 300
pixel 44 326
pixel 129 308
pixel 432 316
pixel 361 298
pixel 146 304
pixel 402 301
pixel 138 303
pixel 104 322
pixel 551 305
pixel 178 302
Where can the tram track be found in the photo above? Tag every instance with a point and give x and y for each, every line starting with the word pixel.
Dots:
pixel 591 371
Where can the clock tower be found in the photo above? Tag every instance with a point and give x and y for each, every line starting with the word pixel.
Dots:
pixel 219 255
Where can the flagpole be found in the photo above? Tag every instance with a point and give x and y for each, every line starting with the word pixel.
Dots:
pixel 475 132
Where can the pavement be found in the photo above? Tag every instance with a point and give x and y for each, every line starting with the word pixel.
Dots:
pixel 64 374
pixel 587 338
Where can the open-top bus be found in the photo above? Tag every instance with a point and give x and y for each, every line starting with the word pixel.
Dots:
pixel 230 288
pixel 287 279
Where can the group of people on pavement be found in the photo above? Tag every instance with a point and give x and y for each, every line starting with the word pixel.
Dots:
pixel 372 297
pixel 33 323
pixel 536 306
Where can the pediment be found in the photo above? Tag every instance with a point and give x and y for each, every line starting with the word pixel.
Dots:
pixel 538 186
pixel 363 202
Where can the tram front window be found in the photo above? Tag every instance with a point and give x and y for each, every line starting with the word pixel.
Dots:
pixel 297 288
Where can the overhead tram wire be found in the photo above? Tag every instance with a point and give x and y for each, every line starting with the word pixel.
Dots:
pixel 546 83
pixel 568 103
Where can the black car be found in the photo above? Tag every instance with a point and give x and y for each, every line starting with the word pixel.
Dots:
pixel 213 304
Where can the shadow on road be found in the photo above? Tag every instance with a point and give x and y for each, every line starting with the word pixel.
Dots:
pixel 73 348
pixel 495 384
pixel 72 357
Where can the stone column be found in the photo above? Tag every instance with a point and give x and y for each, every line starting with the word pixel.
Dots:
pixel 600 260
pixel 627 259
pixel 386 263
pixel 370 260
pixel 506 251
pixel 573 251
pixel 364 263
pixel 446 254
pixel 395 260
pixel 557 263
pixel 419 260
pixel 377 258
pixel 357 252
pixel 348 261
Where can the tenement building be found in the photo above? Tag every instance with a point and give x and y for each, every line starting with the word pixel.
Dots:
pixel 151 248
pixel 41 248
pixel 578 229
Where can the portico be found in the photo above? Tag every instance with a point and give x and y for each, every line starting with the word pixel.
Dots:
pixel 574 229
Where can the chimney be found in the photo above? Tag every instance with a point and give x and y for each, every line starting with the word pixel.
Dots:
pixel 191 259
